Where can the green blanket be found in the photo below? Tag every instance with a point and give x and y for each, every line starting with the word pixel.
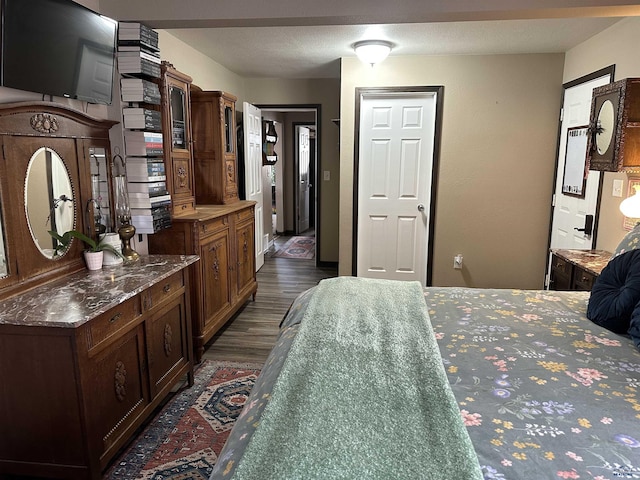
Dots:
pixel 362 394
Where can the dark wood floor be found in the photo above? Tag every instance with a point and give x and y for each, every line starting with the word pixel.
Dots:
pixel 252 332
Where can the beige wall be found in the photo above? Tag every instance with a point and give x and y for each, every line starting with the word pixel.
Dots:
pixel 210 75
pixel 617 45
pixel 500 120
pixel 205 73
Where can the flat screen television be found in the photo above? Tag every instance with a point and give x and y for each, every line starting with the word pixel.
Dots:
pixel 58 47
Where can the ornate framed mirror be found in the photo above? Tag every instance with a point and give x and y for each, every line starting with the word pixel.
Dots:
pixel 46 177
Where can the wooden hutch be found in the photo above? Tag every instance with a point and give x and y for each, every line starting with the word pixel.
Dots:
pixel 220 228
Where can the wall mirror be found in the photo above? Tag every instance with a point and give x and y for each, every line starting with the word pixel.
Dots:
pixel 48 156
pixel 99 203
pixel 605 118
pixel 605 127
pixel 574 179
pixel 49 200
pixel 4 270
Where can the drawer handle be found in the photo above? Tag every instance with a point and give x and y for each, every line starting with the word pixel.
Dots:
pixel 115 318
pixel 184 207
pixel 167 288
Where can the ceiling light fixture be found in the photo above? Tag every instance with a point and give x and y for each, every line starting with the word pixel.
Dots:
pixel 372 51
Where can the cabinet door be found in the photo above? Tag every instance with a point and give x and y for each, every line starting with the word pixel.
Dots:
pixel 582 280
pixel 214 261
pixel 180 141
pixel 230 191
pixel 245 251
pixel 178 154
pixel 561 272
pixel 167 346
pixel 118 391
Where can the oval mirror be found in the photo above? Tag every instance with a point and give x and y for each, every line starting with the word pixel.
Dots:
pixel 605 126
pixel 48 200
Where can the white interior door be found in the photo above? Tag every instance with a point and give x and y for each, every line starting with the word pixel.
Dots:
pixel 252 119
pixel 570 212
pixel 395 170
pixel 303 178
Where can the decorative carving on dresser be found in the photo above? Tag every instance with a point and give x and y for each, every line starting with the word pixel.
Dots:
pixel 182 176
pixel 216 261
pixel 168 335
pixel 44 123
pixel 121 381
pixel 245 246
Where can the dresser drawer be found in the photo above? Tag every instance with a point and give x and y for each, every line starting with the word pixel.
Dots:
pixel 163 290
pixel 560 265
pixel 183 205
pixel 212 226
pixel 111 322
pixel 582 280
pixel 244 214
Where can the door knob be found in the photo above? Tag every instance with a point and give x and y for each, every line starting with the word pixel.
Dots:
pixel 420 207
pixel 588 225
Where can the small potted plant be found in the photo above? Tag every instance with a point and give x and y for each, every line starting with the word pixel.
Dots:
pixel 93 255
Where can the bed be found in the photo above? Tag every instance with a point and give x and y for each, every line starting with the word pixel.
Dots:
pixel 542 391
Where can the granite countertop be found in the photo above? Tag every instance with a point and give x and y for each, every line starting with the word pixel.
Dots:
pixel 592 261
pixel 75 299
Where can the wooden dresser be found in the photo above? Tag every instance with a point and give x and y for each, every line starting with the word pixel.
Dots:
pixel 225 277
pixel 86 359
pixel 576 269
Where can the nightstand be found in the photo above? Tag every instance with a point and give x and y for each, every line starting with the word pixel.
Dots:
pixel 576 269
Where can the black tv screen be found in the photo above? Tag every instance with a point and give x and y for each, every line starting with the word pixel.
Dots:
pixel 58 47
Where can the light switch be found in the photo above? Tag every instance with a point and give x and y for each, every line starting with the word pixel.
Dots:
pixel 327 175
pixel 617 188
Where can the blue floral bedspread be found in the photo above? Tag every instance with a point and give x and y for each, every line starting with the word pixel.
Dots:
pixel 544 392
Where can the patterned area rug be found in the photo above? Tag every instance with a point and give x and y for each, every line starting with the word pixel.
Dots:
pixel 298 247
pixel 184 440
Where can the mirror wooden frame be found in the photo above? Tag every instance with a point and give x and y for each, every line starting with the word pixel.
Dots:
pixel 25 127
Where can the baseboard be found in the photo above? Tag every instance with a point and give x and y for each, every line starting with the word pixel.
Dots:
pixel 327 264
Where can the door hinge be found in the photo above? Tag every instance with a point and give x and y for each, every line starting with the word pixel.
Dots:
pixel 553 200
pixel 547 281
pixel 562 114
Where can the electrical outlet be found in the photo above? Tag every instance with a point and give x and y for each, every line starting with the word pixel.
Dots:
pixel 327 175
pixel 457 262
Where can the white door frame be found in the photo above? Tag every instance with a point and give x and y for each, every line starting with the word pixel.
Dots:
pixel 366 91
pixel 610 70
pixel 317 186
pixel 296 175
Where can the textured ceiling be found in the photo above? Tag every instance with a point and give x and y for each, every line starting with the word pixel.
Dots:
pixel 314 51
pixel 306 38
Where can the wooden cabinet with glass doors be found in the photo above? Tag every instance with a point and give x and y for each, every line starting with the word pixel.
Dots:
pixel 214 146
pixel 175 88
